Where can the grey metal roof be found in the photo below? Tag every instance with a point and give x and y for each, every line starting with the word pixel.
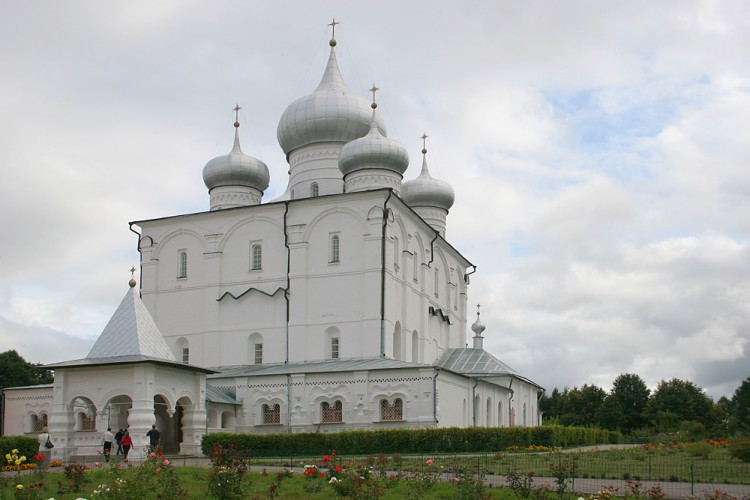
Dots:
pixel 468 361
pixel 215 395
pixel 128 359
pixel 131 331
pixel 322 366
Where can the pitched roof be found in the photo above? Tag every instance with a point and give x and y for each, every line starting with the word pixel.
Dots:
pixel 476 363
pixel 131 331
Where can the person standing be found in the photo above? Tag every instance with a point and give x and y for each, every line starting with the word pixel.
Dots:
pixel 107 438
pixel 45 450
pixel 153 438
pixel 118 440
pixel 127 443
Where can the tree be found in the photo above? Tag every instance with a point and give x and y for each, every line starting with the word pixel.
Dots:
pixel 17 372
pixel 677 401
pixel 629 391
pixel 739 410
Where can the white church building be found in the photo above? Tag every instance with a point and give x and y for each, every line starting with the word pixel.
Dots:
pixel 339 305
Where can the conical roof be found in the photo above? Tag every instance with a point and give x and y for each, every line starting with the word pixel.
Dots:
pixel 131 331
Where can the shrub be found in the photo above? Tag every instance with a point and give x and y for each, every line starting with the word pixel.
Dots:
pixel 740 449
pixel 700 449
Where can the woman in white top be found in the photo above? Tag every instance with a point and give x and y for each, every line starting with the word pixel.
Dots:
pixel 43 450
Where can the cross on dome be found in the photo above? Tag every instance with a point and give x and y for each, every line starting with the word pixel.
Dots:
pixel 237 109
pixel 333 24
pixel 373 89
pixel 424 148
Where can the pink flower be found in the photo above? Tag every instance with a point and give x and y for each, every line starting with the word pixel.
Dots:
pixel 158 469
pixel 165 462
pixel 152 455
pixel 96 464
pixel 429 462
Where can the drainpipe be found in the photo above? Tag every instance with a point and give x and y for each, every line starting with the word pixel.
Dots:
pixel 474 402
pixel 510 403
pixel 288 280
pixel 466 275
pixel 434 396
pixel 140 255
pixel 386 211
pixel 288 403
pixel 432 249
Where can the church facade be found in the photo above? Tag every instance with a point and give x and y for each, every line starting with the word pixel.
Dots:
pixel 339 305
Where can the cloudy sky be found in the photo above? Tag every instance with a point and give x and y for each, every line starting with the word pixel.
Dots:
pixel 599 152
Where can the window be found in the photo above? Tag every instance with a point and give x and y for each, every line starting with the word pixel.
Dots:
pixel 86 423
pixel 437 279
pixel 38 423
pixel 256 258
pixel 186 355
pixel 335 249
pixel 391 412
pixel 314 189
pixel 335 348
pixel 331 413
pixel 182 264
pixel 271 414
pixel 258 354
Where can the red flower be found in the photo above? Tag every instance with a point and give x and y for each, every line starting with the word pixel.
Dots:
pixel 338 468
pixel 326 458
pixel 321 475
pixel 38 458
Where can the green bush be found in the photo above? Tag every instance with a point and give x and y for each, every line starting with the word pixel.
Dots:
pixel 443 440
pixel 27 446
pixel 740 449
pixel 699 449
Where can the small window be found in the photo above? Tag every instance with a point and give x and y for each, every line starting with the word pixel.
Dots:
pixel 38 423
pixel 258 354
pixel 335 247
pixel 335 348
pixel 256 258
pixel 391 412
pixel 331 413
pixel 182 264
pixel 271 414
pixel 186 355
pixel 314 189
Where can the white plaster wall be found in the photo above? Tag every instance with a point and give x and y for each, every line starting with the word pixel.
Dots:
pixel 21 404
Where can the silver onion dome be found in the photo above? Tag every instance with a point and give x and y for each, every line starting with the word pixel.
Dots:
pixel 426 191
pixel 374 150
pixel 329 114
pixel 236 169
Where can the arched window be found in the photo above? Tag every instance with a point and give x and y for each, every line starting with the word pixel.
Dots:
pixel 397 341
pixel 335 348
pixel 335 249
pixel 182 264
pixel 331 413
pixel 38 423
pixel 258 354
pixel 414 347
pixel 488 419
pixel 391 412
pixel 256 259
pixel 255 348
pixel 186 355
pixel 227 420
pixel 314 189
pixel 271 414
pixel 183 350
pixel 500 414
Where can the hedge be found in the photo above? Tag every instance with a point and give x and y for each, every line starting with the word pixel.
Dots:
pixel 27 446
pixel 442 440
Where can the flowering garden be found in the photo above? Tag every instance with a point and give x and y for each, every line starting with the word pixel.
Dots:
pixel 666 468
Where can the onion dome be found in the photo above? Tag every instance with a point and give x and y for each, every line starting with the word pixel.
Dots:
pixel 426 191
pixel 478 327
pixel 373 151
pixel 237 173
pixel 329 114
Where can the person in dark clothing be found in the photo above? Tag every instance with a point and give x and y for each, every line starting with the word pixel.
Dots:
pixel 118 440
pixel 153 438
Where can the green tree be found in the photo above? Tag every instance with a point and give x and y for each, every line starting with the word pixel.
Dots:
pixel 676 402
pixel 739 410
pixel 17 372
pixel 629 391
